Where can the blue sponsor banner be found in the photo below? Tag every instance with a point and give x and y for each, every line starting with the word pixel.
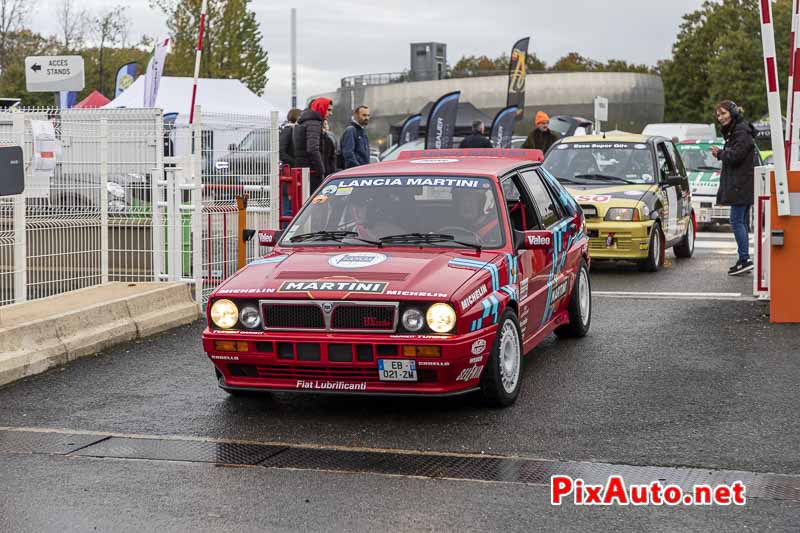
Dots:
pixel 503 127
pixel 410 130
pixel 67 99
pixel 442 122
pixel 125 78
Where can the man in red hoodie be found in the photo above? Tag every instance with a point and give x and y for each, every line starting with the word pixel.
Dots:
pixel 307 137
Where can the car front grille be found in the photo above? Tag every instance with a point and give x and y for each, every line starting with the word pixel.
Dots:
pixel 303 316
pixel 342 316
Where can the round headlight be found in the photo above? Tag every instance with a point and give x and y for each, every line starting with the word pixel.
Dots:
pixel 250 317
pixel 441 318
pixel 224 314
pixel 413 319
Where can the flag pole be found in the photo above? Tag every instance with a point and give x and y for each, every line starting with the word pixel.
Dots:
pixel 199 52
pixel 774 104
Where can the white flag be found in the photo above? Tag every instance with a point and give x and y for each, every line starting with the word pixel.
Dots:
pixel 155 68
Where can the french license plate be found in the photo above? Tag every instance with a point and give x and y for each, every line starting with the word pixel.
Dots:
pixel 397 370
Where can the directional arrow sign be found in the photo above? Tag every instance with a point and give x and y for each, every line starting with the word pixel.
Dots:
pixel 54 73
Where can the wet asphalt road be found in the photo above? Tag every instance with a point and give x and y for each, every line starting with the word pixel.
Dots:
pixel 669 382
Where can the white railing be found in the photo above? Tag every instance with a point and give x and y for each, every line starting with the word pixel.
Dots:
pixel 130 200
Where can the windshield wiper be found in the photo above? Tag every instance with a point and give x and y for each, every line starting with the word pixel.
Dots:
pixel 713 169
pixel 604 177
pixel 337 236
pixel 426 238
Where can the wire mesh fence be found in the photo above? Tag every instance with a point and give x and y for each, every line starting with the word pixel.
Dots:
pixel 125 195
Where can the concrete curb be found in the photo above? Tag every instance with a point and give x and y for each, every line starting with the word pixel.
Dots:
pixel 84 322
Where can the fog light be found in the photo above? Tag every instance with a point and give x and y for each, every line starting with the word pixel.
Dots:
pixel 230 346
pixel 422 351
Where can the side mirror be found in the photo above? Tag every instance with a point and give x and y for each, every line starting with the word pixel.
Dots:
pixel 269 237
pixel 534 240
pixel 675 180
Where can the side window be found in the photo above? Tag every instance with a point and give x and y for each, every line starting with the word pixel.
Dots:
pixel 548 209
pixel 676 159
pixel 664 164
pixel 520 207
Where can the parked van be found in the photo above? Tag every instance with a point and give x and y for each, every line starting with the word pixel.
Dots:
pixel 682 131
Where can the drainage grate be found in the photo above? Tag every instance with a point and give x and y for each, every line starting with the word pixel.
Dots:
pixel 45 442
pixel 494 469
pixel 182 450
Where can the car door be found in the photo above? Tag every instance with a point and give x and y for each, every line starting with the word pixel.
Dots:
pixel 669 194
pixel 532 263
pixel 554 216
pixel 684 190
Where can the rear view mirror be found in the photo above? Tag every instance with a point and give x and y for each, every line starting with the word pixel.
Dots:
pixel 269 237
pixel 12 171
pixel 535 240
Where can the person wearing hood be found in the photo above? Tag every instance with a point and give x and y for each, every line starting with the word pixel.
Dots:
pixel 736 178
pixel 308 141
pixel 542 137
pixel 285 143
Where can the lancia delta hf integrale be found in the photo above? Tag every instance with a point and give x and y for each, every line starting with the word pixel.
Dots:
pixel 634 193
pixel 429 275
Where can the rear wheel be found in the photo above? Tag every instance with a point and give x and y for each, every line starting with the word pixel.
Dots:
pixel 685 248
pixel 500 381
pixel 655 254
pixel 580 306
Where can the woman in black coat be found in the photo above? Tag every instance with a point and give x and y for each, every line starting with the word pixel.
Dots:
pixel 736 179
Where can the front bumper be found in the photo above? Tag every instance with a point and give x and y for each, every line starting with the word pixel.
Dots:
pixel 707 211
pixel 319 362
pixel 619 240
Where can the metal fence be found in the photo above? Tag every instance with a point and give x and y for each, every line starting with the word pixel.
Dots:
pixel 117 195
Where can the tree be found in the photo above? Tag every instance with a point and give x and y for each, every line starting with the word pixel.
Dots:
pixel 231 43
pixel 717 56
pixel 13 14
pixel 574 62
pixel 108 28
pixel 472 66
pixel 72 24
pixel 20 44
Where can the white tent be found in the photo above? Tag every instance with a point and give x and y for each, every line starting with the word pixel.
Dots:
pixel 213 96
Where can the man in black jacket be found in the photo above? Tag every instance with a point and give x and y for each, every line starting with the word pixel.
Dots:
pixel 285 141
pixel 542 137
pixel 307 137
pixel 736 178
pixel 476 139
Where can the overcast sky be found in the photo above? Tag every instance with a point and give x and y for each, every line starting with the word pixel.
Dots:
pixel 337 38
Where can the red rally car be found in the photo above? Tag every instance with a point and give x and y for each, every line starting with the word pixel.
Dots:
pixel 430 275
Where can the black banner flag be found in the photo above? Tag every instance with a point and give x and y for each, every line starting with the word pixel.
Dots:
pixel 442 122
pixel 410 130
pixel 517 73
pixel 503 127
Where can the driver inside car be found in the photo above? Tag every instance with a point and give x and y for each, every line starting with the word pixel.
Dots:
pixel 374 215
pixel 472 218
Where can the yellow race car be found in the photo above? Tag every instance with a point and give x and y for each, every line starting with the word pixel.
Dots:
pixel 634 193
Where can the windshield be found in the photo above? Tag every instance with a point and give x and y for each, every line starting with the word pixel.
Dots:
pixel 362 211
pixel 698 157
pixel 601 161
pixel 392 153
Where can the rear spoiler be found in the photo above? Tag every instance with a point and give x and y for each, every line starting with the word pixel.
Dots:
pixel 507 153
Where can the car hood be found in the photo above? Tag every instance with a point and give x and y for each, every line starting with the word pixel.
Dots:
pixel 358 274
pixel 626 194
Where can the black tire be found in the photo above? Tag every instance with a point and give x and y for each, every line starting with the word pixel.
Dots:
pixel 495 393
pixel 685 248
pixel 580 313
pixel 655 251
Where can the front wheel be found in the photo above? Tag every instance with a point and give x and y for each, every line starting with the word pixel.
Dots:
pixel 655 254
pixel 500 381
pixel 685 248
pixel 580 306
